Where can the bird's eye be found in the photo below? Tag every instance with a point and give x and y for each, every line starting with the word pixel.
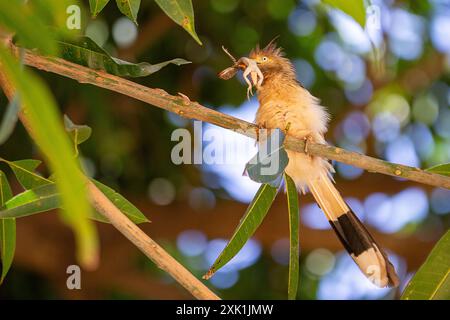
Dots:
pixel 264 59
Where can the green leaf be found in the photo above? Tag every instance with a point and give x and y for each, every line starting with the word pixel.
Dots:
pixel 47 197
pixel 121 203
pixel 9 119
pixel 28 27
pixel 443 169
pixel 182 13
pixel 292 199
pixel 7 230
pixel 32 201
pixel 268 165
pixel 130 8
pixel 97 6
pixel 26 174
pixel 253 217
pixel 354 8
pixel 432 280
pixel 43 118
pixel 78 133
pixel 86 52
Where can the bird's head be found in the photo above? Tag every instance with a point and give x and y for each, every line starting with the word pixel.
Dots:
pixel 271 61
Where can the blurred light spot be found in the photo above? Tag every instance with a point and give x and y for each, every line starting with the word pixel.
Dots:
pixel 402 151
pixel 280 9
pixel 224 6
pixel 319 262
pixel 175 119
pixel 440 31
pixel 386 127
pixel 246 257
pixel 390 215
pixel 350 31
pixel 440 201
pixel 192 242
pixel 329 55
pixel 422 138
pixel 356 127
pixel 357 207
pixel 202 74
pixel 442 125
pixel 347 282
pixel 161 191
pixel 313 217
pixel 352 70
pixel 98 31
pixel 244 37
pixel 202 199
pixel 348 172
pixel 240 187
pixel 406 33
pixel 361 95
pixel 280 251
pixel 124 32
pixel 305 72
pixel 225 280
pixel 302 22
pixel 425 109
pixel 196 53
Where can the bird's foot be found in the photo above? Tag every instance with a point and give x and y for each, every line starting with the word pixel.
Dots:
pixel 286 129
pixel 307 139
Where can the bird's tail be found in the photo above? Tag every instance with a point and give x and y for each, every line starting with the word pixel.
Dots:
pixel 361 246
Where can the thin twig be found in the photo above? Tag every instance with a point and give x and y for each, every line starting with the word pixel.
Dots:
pixel 132 232
pixel 149 247
pixel 193 110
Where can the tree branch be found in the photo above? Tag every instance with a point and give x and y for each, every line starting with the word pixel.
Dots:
pixel 182 106
pixel 132 232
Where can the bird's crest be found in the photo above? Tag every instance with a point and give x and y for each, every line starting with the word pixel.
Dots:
pixel 271 49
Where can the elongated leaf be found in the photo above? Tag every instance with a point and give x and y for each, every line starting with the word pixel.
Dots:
pixel 182 13
pixel 130 8
pixel 354 9
pixel 443 169
pixel 47 197
pixel 32 201
pixel 292 199
pixel 17 17
pixel 9 119
pixel 253 217
pixel 26 174
pixel 7 230
pixel 97 6
pixel 121 203
pixel 268 165
pixel 86 52
pixel 48 132
pixel 432 280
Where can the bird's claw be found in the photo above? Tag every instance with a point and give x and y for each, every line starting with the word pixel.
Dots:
pixel 307 139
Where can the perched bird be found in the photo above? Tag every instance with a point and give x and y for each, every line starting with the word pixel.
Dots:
pixel 284 103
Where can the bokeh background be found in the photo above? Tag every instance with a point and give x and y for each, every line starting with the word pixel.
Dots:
pixel 387 90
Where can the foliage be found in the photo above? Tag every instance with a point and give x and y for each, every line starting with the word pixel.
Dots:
pixel 432 281
pixel 251 220
pixel 271 153
pixel 292 200
pixel 86 52
pixel 7 230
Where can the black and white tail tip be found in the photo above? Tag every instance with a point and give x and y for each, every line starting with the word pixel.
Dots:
pixel 369 257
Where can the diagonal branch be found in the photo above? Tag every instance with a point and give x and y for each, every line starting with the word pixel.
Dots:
pixel 182 106
pixel 131 231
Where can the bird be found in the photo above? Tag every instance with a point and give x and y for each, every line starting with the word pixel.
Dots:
pixel 285 104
